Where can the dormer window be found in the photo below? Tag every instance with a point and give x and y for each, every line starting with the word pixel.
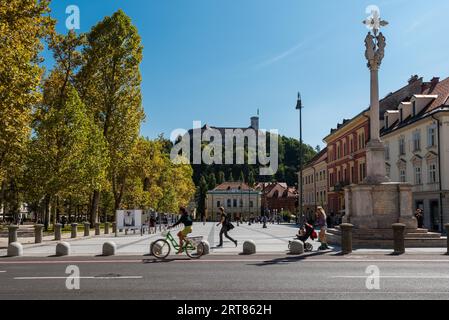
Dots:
pixel 414 108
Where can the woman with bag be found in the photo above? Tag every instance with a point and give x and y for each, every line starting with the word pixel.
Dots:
pixel 226 226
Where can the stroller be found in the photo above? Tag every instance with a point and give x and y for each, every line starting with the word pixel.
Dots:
pixel 309 233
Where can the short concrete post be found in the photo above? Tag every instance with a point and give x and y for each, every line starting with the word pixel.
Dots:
pixel 206 247
pixel 38 233
pixel 114 227
pixel 106 228
pixel 12 233
pixel 109 248
pixel 74 230
pixel 86 229
pixel 296 247
pixel 447 234
pixel 58 228
pixel 346 238
pixel 97 228
pixel 62 249
pixel 15 249
pixel 249 247
pixel 399 238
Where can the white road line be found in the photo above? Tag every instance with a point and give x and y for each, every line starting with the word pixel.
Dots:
pixel 90 278
pixel 2 271
pixel 393 277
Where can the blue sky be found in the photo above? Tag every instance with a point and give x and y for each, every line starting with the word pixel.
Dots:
pixel 218 61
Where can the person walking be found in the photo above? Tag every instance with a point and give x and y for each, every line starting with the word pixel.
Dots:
pixel 226 226
pixel 420 218
pixel 322 225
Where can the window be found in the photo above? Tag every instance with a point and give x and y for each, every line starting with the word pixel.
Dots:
pixel 352 174
pixel 361 138
pixel 229 203
pixel 218 204
pixel 431 137
pixel 362 171
pixel 241 203
pixel 235 203
pixel 338 151
pixel 418 175
pixel 416 141
pixel 388 171
pixel 402 175
pixel 345 152
pixel 402 146
pixel 351 144
pixel 251 204
pixel 433 173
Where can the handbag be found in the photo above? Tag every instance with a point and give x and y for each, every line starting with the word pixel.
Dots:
pixel 230 226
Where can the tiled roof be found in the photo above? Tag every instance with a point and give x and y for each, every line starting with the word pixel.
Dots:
pixel 442 90
pixel 228 186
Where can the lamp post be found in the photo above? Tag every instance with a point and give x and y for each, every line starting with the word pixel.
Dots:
pixel 299 107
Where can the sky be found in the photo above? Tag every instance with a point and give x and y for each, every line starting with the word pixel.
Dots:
pixel 219 61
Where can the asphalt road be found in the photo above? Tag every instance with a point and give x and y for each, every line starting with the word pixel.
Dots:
pixel 229 278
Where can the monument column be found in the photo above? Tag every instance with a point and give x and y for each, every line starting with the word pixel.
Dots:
pixel 375 155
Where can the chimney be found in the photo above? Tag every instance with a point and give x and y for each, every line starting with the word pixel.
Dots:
pixel 413 79
pixel 255 123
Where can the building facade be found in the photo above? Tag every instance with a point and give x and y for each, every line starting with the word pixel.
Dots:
pixel 277 197
pixel 315 184
pixel 238 199
pixel 416 137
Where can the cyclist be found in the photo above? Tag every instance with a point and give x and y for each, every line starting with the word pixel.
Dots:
pixel 187 221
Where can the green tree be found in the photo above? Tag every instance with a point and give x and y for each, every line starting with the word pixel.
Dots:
pixel 242 177
pixel 23 24
pixel 251 179
pixel 109 82
pixel 212 182
pixel 202 193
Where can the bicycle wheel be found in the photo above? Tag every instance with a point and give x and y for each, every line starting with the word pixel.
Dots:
pixel 194 251
pixel 160 249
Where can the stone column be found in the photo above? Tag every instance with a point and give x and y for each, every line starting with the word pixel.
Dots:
pixel 97 228
pixel 86 229
pixel 447 233
pixel 346 238
pixel 58 228
pixel 106 228
pixel 38 233
pixel 74 230
pixel 399 238
pixel 12 233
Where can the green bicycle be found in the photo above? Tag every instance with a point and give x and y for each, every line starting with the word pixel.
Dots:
pixel 193 246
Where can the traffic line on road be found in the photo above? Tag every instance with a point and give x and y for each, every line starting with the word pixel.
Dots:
pixel 90 278
pixel 438 277
pixel 2 271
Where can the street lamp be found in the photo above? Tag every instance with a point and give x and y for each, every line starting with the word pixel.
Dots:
pixel 299 107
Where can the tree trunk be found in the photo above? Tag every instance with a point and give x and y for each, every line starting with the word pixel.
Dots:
pixel 47 211
pixel 2 198
pixel 94 207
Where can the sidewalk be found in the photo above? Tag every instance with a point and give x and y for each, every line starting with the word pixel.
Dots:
pixel 273 240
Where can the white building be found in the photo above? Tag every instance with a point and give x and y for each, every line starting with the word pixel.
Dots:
pixel 416 137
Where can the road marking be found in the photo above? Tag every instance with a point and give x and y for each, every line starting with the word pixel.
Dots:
pixel 394 277
pixel 2 271
pixel 90 278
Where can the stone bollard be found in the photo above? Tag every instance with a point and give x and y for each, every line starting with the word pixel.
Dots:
pixel 106 228
pixel 12 233
pixel 399 238
pixel 249 247
pixel 346 238
pixel 97 228
pixel 74 230
pixel 296 247
pixel 109 249
pixel 38 233
pixel 86 229
pixel 62 249
pixel 15 249
pixel 447 234
pixel 58 229
pixel 206 247
pixel 114 227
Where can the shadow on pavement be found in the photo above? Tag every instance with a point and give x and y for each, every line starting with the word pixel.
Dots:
pixel 291 259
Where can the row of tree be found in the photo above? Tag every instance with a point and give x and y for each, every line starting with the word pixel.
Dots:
pixel 70 140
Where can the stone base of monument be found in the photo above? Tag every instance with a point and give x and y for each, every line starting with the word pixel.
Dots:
pixel 383 238
pixel 374 208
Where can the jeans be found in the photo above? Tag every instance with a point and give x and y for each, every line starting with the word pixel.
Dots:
pixel 224 231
